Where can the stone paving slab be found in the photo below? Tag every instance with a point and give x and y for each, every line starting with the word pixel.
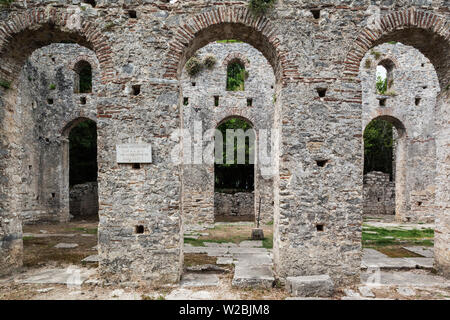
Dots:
pixel 74 276
pixel 47 235
pixel 199 280
pixel 253 259
pixel 253 277
pixel 91 259
pixel 186 294
pixel 388 263
pixel 369 253
pixel 224 260
pixel 409 279
pixel 66 245
pixel 427 252
pixel 251 244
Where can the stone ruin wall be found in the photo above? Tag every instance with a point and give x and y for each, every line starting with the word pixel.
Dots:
pixel 414 77
pixel 307 54
pixel 84 201
pixel 47 116
pixel 198 179
pixel 378 195
pixel 231 205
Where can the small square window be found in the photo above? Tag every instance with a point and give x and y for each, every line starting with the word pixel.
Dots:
pixel 216 101
pixel 132 14
pixel 83 100
pixel 185 101
pixel 136 89
pixel 249 102
pixel 139 229
pixel 319 227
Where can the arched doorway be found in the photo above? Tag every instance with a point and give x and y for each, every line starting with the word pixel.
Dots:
pixel 234 179
pixel 385 143
pixel 14 130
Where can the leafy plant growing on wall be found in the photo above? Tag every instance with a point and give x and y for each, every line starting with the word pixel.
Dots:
pixel 260 7
pixel 5 84
pixel 193 66
pixel 209 62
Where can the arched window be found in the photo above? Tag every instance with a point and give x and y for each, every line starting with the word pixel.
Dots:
pixel 83 77
pixel 236 76
pixel 385 80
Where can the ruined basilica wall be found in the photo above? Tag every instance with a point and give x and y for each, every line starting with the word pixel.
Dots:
pixel 49 107
pixel 414 77
pixel 307 54
pixel 198 179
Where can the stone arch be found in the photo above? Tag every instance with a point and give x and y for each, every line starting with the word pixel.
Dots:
pixel 34 28
pixel 430 34
pixel 20 35
pixel 426 31
pixel 227 23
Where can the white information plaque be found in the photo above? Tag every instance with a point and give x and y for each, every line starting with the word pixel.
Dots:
pixel 134 153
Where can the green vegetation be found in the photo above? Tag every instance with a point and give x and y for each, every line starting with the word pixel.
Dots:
pixel 236 75
pixel 6 3
pixel 83 153
pixel 368 64
pixel 229 41
pixel 376 54
pixel 52 86
pixel 260 7
pixel 382 85
pixel 389 237
pixel 194 65
pixel 209 62
pixel 378 146
pixel 5 84
pixel 238 177
pixel 109 26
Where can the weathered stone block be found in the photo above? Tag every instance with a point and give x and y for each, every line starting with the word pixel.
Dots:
pixel 310 286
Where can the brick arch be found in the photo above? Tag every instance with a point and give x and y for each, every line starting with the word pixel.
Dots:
pixel 73 64
pixel 227 23
pixel 235 56
pixel 424 30
pixel 24 32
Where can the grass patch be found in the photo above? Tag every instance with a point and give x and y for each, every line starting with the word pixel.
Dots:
pixel 268 242
pixel 382 237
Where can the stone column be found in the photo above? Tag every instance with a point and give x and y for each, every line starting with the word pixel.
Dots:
pixel 442 229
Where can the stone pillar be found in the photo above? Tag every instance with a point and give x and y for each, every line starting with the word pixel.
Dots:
pixel 442 221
